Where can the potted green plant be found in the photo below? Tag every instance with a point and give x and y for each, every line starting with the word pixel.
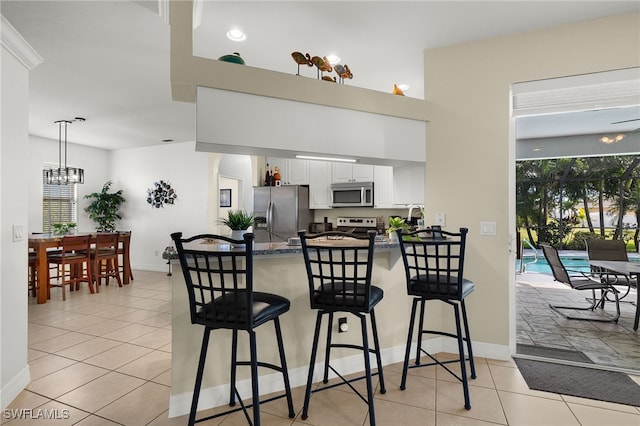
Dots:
pixel 63 228
pixel 239 221
pixel 396 223
pixel 104 207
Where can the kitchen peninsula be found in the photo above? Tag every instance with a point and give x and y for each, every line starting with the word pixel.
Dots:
pixel 280 269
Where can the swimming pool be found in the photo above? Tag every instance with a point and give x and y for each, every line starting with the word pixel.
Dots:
pixel 541 266
pixel 571 263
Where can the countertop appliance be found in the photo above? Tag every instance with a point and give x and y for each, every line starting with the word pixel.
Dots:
pixel 280 212
pixel 352 194
pixel 356 225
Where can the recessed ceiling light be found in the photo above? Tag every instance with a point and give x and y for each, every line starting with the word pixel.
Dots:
pixel 612 139
pixel 236 35
pixel 403 86
pixel 536 149
pixel 166 140
pixel 333 59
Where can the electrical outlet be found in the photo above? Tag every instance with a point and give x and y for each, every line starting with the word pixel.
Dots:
pixel 342 325
pixel 155 253
pixel 440 219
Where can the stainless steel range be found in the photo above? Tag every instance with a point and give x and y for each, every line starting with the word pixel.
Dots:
pixel 356 225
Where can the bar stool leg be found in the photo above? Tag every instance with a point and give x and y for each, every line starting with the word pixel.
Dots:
pixel 200 371
pixel 376 342
pixel 463 363
pixel 234 358
pixel 254 378
pixel 420 328
pixel 285 371
pixel 312 362
pixel 327 355
pixel 407 351
pixel 468 338
pixel 367 369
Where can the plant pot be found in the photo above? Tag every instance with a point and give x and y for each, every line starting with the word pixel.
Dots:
pixel 393 237
pixel 238 234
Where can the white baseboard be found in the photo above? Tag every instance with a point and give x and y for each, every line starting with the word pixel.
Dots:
pixel 14 387
pixel 219 395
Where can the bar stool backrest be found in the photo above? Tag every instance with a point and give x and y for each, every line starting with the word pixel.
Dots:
pixel 339 269
pixel 434 262
pixel 218 272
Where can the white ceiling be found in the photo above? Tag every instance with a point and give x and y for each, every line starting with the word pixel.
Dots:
pixel 109 61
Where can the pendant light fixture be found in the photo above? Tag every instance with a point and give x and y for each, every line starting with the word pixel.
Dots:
pixel 64 175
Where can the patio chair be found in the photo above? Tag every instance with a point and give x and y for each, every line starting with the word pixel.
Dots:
pixel 611 250
pixel 580 281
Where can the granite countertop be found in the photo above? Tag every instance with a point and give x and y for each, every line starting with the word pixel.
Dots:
pixel 277 248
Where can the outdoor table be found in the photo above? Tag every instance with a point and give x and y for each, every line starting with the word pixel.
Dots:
pixel 625 268
pixel 41 242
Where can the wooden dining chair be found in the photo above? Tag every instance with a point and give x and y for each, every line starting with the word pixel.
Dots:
pixel 74 260
pixel 124 244
pixel 104 258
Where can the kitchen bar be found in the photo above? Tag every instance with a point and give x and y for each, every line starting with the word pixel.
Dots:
pixel 279 268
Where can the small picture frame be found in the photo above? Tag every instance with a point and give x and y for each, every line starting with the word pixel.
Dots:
pixel 225 197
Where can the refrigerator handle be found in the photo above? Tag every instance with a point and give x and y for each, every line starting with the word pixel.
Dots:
pixel 270 218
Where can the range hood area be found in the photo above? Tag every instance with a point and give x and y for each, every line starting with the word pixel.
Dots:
pixel 281 127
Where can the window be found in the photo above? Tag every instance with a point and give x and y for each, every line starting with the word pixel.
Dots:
pixel 59 204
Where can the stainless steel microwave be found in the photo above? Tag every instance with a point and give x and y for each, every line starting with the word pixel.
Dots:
pixel 352 194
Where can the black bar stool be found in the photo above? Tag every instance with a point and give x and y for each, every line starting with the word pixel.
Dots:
pixel 339 267
pixel 434 263
pixel 218 272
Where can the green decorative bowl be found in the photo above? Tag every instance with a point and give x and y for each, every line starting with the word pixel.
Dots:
pixel 234 58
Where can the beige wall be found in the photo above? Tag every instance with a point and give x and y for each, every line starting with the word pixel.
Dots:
pixel 470 141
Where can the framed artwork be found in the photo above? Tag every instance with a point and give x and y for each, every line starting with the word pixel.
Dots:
pixel 225 197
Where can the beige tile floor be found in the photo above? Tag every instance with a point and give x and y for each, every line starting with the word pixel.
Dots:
pixel 105 359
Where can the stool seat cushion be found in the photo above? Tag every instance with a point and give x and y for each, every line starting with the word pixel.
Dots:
pixel 443 288
pixel 231 309
pixel 345 295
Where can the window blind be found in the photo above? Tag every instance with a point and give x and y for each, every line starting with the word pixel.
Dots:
pixel 59 204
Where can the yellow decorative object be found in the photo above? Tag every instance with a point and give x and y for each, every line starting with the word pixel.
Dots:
pixel 301 59
pixel 327 78
pixel 397 90
pixel 276 173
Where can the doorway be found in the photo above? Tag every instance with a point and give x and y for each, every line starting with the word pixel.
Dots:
pixel 567 118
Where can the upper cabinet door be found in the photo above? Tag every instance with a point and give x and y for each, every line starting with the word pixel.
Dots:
pixel 362 173
pixel 347 172
pixel 298 172
pixel 319 185
pixel 383 187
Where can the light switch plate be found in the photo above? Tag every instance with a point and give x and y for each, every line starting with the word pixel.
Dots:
pixel 487 228
pixel 440 219
pixel 18 233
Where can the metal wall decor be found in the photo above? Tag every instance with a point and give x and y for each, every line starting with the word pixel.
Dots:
pixel 162 193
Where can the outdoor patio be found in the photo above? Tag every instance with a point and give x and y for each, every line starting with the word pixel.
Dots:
pixel 604 344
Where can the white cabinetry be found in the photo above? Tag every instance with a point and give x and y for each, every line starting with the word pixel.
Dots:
pixel 347 172
pixel 382 187
pixel 408 185
pixel 293 171
pixel 319 185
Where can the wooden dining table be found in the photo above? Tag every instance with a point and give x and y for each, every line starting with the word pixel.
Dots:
pixel 627 268
pixel 41 242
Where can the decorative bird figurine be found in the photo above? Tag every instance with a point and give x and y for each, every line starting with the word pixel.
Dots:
pixel 322 64
pixel 397 90
pixel 343 72
pixel 327 78
pixel 301 60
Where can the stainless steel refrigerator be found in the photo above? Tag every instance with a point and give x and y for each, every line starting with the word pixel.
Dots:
pixel 280 211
